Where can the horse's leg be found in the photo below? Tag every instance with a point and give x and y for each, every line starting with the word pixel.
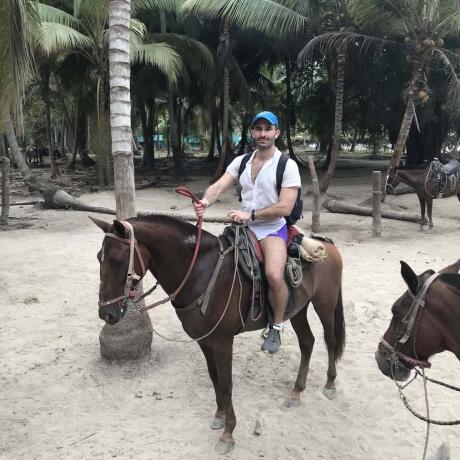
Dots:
pixel 208 352
pixel 429 205
pixel 223 351
pixel 422 211
pixel 306 341
pixel 458 196
pixel 324 307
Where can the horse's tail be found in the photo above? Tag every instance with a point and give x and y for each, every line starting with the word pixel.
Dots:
pixel 339 327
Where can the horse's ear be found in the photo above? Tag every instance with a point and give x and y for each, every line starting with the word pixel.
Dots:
pixel 409 276
pixel 104 226
pixel 120 229
pixel 451 278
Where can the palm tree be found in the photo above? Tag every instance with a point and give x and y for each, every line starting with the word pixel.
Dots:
pixel 264 16
pixel 424 26
pixel 19 26
pixel 89 23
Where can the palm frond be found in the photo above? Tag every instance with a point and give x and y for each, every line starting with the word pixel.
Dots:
pixel 453 82
pixel 161 56
pixel 92 11
pixel 48 13
pixel 450 19
pixel 387 16
pixel 241 84
pixel 332 42
pixel 265 16
pixel 168 6
pixel 137 31
pixel 19 26
pixel 58 37
pixel 195 55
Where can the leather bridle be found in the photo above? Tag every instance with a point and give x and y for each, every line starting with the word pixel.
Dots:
pixel 131 275
pixel 129 292
pixel 406 328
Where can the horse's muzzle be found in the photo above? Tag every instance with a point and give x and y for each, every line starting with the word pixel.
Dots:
pixel 391 368
pixel 112 313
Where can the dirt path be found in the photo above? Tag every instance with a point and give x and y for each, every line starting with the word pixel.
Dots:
pixel 58 398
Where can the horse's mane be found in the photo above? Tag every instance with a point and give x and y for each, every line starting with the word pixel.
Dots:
pixel 173 222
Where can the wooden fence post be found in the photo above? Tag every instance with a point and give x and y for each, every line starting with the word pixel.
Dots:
pixel 5 191
pixel 376 203
pixel 315 224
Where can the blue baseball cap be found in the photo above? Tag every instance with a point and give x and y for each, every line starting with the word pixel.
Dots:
pixel 269 116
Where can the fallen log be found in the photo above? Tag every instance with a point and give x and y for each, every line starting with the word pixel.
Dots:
pixel 56 198
pixel 346 208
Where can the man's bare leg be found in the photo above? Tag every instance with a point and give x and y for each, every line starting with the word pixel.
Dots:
pixel 275 254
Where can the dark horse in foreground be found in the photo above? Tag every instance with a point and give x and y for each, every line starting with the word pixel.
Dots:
pixel 165 246
pixel 426 321
pixel 418 178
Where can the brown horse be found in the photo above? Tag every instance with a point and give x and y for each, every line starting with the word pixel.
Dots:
pixel 416 177
pixel 426 321
pixel 166 245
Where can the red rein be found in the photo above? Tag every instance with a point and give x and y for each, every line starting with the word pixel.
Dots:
pixel 184 191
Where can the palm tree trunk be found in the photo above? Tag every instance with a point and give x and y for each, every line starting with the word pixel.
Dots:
pixel 224 53
pixel 403 134
pixel 16 153
pixel 289 107
pixel 173 135
pixel 131 338
pixel 326 179
pixel 46 99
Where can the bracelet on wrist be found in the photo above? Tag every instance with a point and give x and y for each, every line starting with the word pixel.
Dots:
pixel 253 215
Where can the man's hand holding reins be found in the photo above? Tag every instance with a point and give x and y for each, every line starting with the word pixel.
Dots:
pixel 200 207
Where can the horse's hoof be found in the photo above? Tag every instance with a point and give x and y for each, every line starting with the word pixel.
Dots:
pixel 330 393
pixel 224 445
pixel 291 402
pixel 217 423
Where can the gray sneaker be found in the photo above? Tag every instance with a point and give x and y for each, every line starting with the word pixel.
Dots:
pixel 272 342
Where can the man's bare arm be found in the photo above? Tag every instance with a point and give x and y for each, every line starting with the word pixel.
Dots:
pixel 283 207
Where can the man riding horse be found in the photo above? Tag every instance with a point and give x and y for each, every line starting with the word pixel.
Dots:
pixel 263 210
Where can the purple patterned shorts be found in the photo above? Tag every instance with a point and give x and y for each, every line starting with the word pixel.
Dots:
pixel 281 233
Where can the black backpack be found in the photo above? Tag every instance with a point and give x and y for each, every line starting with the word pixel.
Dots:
pixel 296 212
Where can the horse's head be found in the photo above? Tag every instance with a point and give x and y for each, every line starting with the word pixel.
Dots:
pixel 123 262
pixel 392 180
pixel 399 351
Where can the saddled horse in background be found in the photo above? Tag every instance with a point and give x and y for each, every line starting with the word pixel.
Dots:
pixel 165 246
pixel 418 178
pixel 426 321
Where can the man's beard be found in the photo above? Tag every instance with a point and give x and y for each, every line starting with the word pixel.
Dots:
pixel 269 144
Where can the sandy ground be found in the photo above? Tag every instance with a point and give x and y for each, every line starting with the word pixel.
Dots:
pixel 59 399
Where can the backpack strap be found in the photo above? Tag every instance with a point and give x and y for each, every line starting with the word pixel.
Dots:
pixel 243 163
pixel 280 170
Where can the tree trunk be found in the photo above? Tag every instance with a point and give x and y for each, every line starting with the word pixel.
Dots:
pixel 289 107
pixel 401 142
pixel 73 139
pixel 224 50
pixel 131 338
pixel 346 208
pixel 326 179
pixel 244 133
pixel 46 99
pixel 353 141
pixel 173 135
pixel 15 151
pixel 214 130
pixel 5 191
